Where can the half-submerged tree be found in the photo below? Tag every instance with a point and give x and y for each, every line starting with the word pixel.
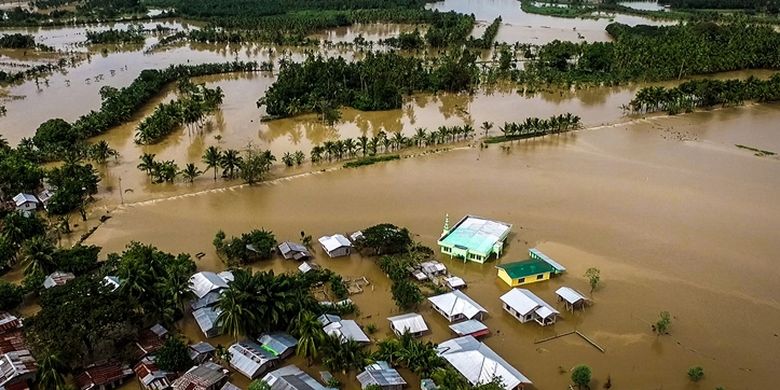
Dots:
pixel 581 376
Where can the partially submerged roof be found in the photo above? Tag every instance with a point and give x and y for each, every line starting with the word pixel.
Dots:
pixel 470 327
pixel 478 363
pixel 305 267
pixel 16 364
pixel 277 343
pixel 326 319
pixel 200 377
pixel 524 301
pixel 105 375
pixel 476 234
pixel 57 278
pixel 433 267
pixel 207 319
pixel 151 376
pixel 455 282
pixel 570 295
pixel 380 374
pixel 22 198
pixel 409 322
pixel 293 250
pixel 536 253
pixel 331 243
pixel 346 330
pixel 205 282
pixel 198 350
pixel 456 302
pixel 249 358
pixel 291 378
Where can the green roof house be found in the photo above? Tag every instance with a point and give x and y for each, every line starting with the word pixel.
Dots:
pixel 474 238
pixel 537 268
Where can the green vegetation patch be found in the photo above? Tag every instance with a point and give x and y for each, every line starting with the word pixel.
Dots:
pixel 363 161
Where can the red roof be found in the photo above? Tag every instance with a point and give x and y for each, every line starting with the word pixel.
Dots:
pixel 148 342
pixel 480 333
pixel 104 374
pixel 12 341
pixel 9 322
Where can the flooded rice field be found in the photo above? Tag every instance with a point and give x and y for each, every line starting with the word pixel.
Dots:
pixel 675 216
pixel 673 213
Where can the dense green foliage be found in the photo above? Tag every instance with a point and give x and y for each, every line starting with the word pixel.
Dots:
pixel 10 295
pixel 406 293
pixel 771 6
pixel 195 103
pixel 370 160
pixel 535 127
pixel 252 246
pixel 695 374
pixel 486 40
pixel 418 356
pixel 74 183
pixel 20 41
pixel 130 35
pixel 654 53
pixel 173 356
pixel 580 375
pixel 79 259
pixel 384 239
pixel 705 93
pixel 377 82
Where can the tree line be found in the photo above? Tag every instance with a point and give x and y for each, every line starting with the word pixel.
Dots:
pixel 252 165
pixel 705 93
pixel 377 82
pixel 21 41
pixel 130 35
pixel 195 102
pixel 536 127
pixel 769 6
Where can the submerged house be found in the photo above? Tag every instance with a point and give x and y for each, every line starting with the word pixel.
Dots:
pixel 200 352
pixel 207 320
pixel 57 278
pixel 250 359
pixel 344 329
pixel 103 376
pixel 291 250
pixel 471 328
pixel 205 282
pixel 206 376
pixel 571 298
pixel 412 323
pixel 279 344
pixel 26 203
pixel 526 306
pixel 476 362
pixel 382 375
pixel 336 245
pixel 152 377
pixel 474 238
pixel 456 306
pixel 537 268
pixel 291 378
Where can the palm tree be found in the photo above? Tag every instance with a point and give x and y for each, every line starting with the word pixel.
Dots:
pixel 38 256
pixel 486 126
pixel 309 332
pixel 50 372
pixel 363 142
pixel 316 153
pixel 330 149
pixel 100 152
pixel 212 158
pixel 288 159
pixel 399 141
pixel 190 172
pixel 349 147
pixel 229 162
pixel 234 318
pixel 147 163
pixel 4 145
pixel 420 136
pixel 299 157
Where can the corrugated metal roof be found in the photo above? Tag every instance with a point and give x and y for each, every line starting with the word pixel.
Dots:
pixel 291 378
pixel 476 234
pixel 331 243
pixel 541 256
pixel 433 267
pixel 277 342
pixel 347 330
pixel 380 374
pixel 294 250
pixel 200 377
pixel 112 282
pixel 16 364
pixel 469 327
pixel 209 299
pixel 230 386
pixel 207 320
pixel 107 375
pixel 570 295
pixel 304 267
pixel 326 319
pixel 478 363
pixel 409 322
pixel 524 301
pixel 8 321
pixel 249 358
pixel 22 198
pixel 455 282
pixel 57 278
pixel 456 302
pixel 204 282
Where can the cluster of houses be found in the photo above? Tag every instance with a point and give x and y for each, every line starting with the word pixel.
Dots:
pixel 27 204
pixel 17 365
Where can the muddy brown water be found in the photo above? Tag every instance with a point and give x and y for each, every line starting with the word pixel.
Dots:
pixel 675 216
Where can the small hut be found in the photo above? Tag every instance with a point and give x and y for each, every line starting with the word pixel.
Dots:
pixel 571 298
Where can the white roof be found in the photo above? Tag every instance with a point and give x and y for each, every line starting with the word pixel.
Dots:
pixel 478 363
pixel 456 302
pixel 346 330
pixel 22 198
pixel 570 295
pixel 331 243
pixel 524 301
pixel 57 278
pixel 112 282
pixel 468 327
pixel 291 378
pixel 558 267
pixel 409 322
pixel 304 267
pixel 205 282
pixel 227 276
pixel 455 282
pixel 249 358
pixel 433 267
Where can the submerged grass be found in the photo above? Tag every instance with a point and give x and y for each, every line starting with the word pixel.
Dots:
pixel 371 160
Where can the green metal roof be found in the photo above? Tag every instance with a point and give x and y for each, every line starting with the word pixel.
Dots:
pixel 521 269
pixel 476 234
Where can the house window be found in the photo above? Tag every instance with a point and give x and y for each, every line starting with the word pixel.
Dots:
pixel 521 280
pixel 446 249
pixel 540 277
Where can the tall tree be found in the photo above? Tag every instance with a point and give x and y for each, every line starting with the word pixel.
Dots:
pixel 212 158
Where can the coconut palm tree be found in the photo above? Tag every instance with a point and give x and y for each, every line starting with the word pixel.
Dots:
pixel 212 158
pixel 316 153
pixel 147 163
pixel 420 136
pixel 190 172
pixel 399 141
pixel 38 256
pixel 230 162
pixel 4 145
pixel 50 372
pixel 310 335
pixel 363 142
pixel 349 147
pixel 486 126
pixel 100 152
pixel 235 318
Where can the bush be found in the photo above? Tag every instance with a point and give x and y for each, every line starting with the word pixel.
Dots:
pixel 371 160
pixel 235 250
pixel 580 375
pixel 695 374
pixel 173 355
pixel 10 295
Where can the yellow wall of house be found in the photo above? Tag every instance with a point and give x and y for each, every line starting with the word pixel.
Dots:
pixel 527 280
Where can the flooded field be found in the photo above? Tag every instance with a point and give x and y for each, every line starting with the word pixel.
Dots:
pixel 675 216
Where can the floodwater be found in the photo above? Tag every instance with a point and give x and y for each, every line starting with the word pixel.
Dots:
pixel 644 5
pixel 675 216
pixel 519 26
